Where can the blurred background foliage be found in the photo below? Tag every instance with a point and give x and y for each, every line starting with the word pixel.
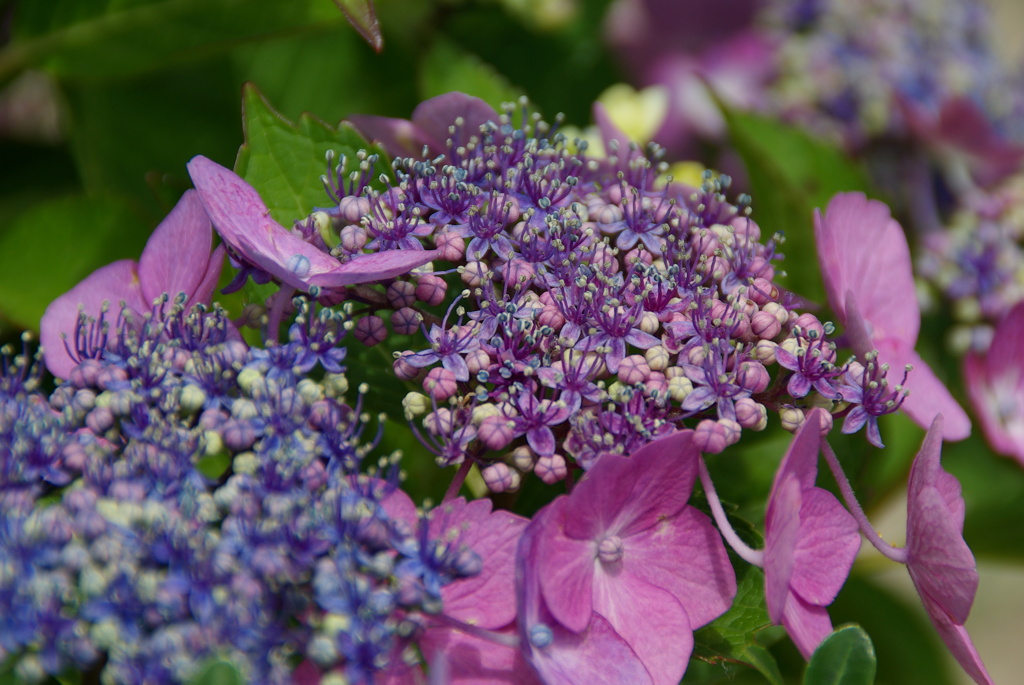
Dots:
pixel 102 103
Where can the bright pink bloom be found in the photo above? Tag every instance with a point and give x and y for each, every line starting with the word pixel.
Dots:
pixel 176 259
pixel 865 264
pixel 484 601
pixel 995 384
pixel 624 566
pixel 429 125
pixel 810 543
pixel 939 561
pixel 243 222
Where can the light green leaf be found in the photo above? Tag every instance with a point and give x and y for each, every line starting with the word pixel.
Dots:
pixel 218 673
pixel 734 636
pixel 448 67
pixel 284 161
pixel 52 246
pixel 846 657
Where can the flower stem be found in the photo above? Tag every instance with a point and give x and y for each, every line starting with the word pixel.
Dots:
pixel 897 554
pixel 458 480
pixel 751 556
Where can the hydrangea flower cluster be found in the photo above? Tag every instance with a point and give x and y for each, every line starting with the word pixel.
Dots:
pixel 597 297
pixel 885 66
pixel 182 496
pixel 977 262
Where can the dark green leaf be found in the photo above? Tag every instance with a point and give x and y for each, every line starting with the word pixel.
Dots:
pixel 907 647
pixel 448 67
pixel 136 135
pixel 734 636
pixel 846 657
pixel 52 246
pixel 790 175
pixel 218 673
pixel 110 38
pixel 284 161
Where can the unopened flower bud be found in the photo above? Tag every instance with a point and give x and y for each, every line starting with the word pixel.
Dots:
pixel 500 478
pixel 551 469
pixel 792 418
pixel 751 415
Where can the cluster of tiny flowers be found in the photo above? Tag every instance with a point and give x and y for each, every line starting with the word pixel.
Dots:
pixel 977 263
pixel 846 67
pixel 183 497
pixel 575 299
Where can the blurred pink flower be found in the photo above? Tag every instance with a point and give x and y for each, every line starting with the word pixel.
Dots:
pixel 176 259
pixel 810 543
pixel 865 264
pixel 939 561
pixel 995 384
pixel 623 566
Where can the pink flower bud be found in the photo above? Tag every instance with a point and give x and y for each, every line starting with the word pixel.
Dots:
pixel 551 469
pixel 353 209
pixel 551 316
pixel 451 245
pixel 404 371
pixel 440 384
pixel 405 321
pixel 370 330
pixel 495 432
pixel 401 294
pixel 751 414
pixel 353 238
pixel 431 290
pixel 710 437
pixel 753 376
pixel 500 478
pixel 634 369
pixel 807 323
pixel 762 291
pixel 765 326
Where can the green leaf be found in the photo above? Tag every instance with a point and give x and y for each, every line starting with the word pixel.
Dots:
pixel 361 15
pixel 846 657
pixel 791 174
pixel 284 161
pixel 50 247
pixel 133 134
pixel 218 673
pixel 448 67
pixel 734 636
pixel 113 38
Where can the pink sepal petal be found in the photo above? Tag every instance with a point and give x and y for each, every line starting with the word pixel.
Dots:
pixel 960 645
pixel 486 600
pixel 177 256
pixel 111 283
pixel 995 386
pixel 470 660
pixel 705 585
pixel 829 542
pixel 807 624
pixel 862 249
pixel 624 495
pixel 565 567
pixel 651 621
pixel 928 396
pixel 938 559
pixel 436 115
pixel 782 531
pixel 244 223
pixel 204 291
pixel 398 137
pixel 597 656
pixel 366 268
